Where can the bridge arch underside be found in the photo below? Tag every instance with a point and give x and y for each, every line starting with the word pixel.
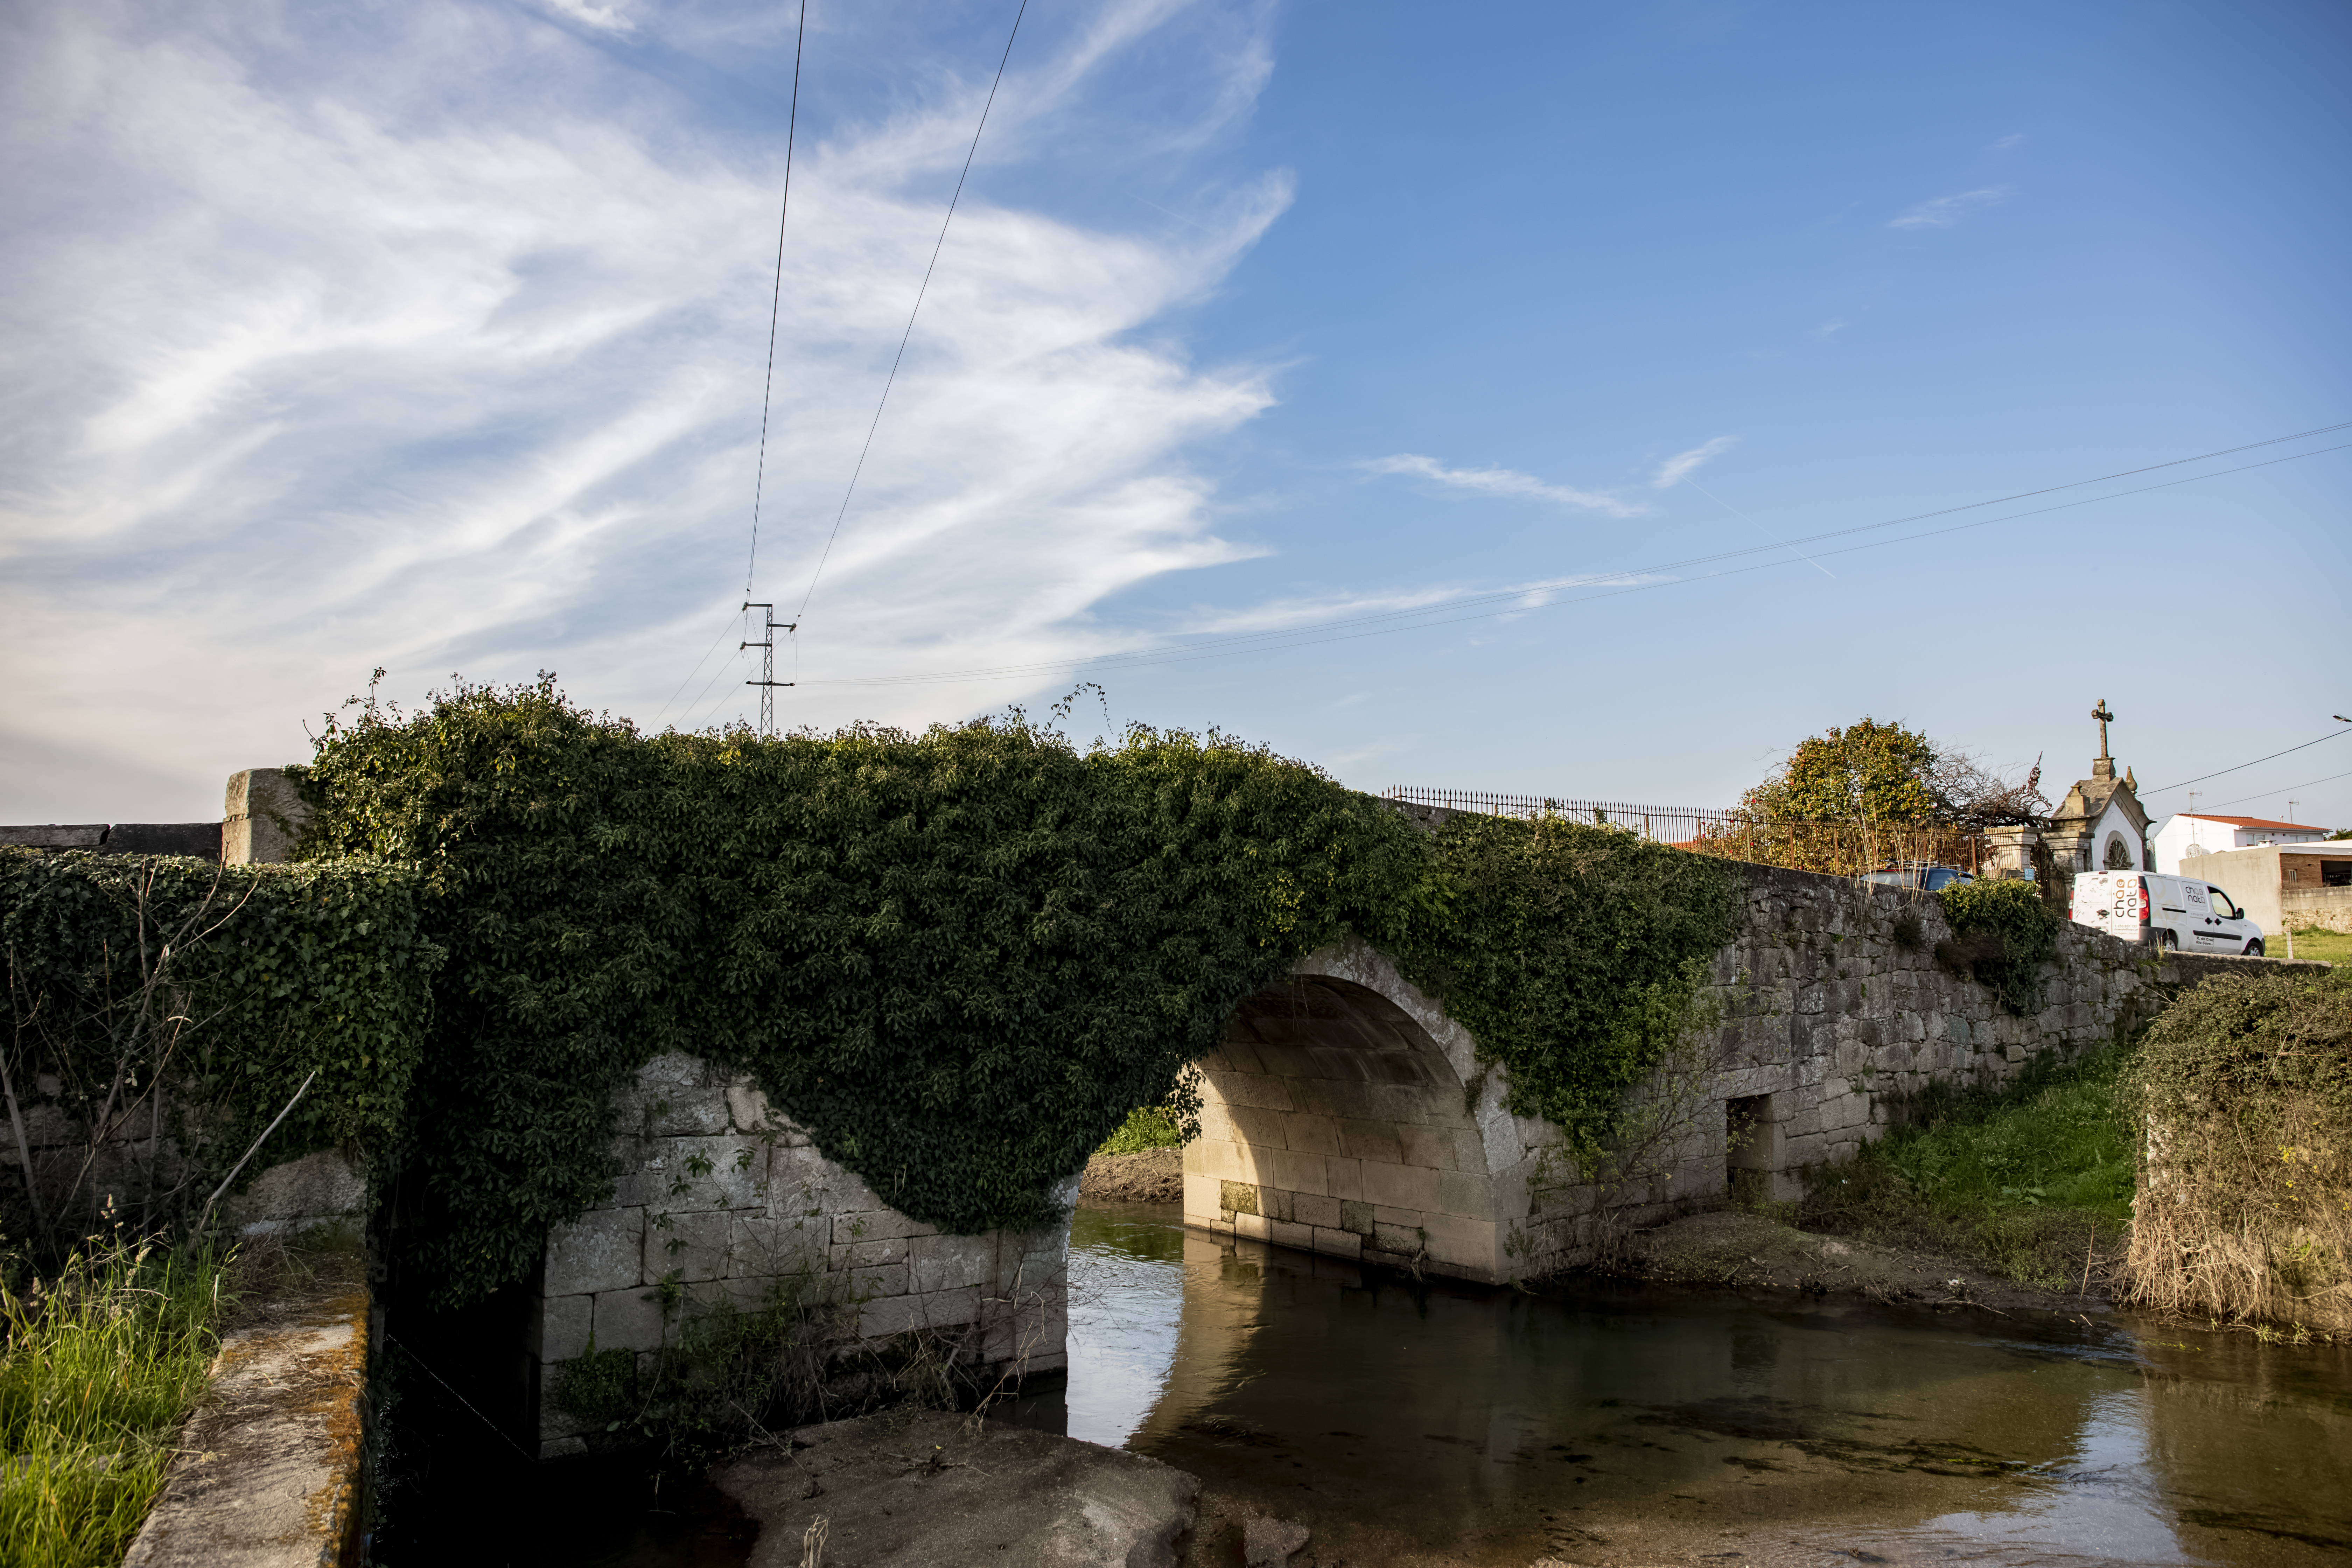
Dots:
pixel 1332 1123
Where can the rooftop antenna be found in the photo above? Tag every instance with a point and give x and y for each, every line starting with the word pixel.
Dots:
pixel 767 683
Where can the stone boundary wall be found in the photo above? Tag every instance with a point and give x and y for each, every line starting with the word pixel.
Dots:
pixel 1827 1016
pixel 197 840
pixel 723 1198
pixel 2324 908
pixel 321 1188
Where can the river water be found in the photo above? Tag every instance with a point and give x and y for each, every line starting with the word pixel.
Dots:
pixel 1410 1421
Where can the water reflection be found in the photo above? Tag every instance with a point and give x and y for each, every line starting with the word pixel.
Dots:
pixel 1440 1417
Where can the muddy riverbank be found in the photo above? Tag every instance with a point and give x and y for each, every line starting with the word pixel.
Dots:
pixel 1146 1176
pixel 1732 1249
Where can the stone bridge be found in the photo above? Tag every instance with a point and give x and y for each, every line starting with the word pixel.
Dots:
pixel 1344 1114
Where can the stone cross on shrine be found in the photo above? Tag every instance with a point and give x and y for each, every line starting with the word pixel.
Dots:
pixel 2105 767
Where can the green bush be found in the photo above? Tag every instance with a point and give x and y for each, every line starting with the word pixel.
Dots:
pixel 220 989
pixel 1573 954
pixel 2245 1088
pixel 2002 933
pixel 1146 1127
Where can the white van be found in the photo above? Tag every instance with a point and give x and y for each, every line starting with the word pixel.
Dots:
pixel 2170 911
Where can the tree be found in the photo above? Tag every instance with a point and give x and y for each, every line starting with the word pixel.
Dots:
pixel 1887 774
pixel 1875 772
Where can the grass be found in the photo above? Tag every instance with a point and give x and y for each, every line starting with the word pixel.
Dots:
pixel 2310 942
pixel 2023 1180
pixel 1148 1127
pixel 100 1362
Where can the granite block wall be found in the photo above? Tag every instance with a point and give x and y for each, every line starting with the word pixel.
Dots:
pixel 1347 1114
pixel 722 1195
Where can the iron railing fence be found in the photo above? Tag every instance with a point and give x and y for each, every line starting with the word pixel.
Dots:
pixel 1847 849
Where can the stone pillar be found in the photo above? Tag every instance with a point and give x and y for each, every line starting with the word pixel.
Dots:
pixel 2008 854
pixel 263 818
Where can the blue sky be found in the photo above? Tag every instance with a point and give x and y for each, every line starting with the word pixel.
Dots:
pixel 431 337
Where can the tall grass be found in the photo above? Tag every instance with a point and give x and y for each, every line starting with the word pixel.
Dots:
pixel 101 1360
pixel 2026 1178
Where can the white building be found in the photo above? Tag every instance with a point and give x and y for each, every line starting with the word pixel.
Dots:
pixel 2185 837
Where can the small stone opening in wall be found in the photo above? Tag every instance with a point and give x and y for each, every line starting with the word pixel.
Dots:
pixel 1908 933
pixel 1746 1124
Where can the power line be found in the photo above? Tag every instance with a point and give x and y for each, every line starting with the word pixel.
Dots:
pixel 768 383
pixel 1275 641
pixel 2184 784
pixel 2305 784
pixel 892 378
pixel 724 628
pixel 775 303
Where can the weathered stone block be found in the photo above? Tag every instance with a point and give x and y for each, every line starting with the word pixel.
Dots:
pixel 876 1224
pixel 1311 1134
pixel 564 1325
pixel 1283 1233
pixel 869 1254
pixel 686 1245
pixel 870 1284
pixel 629 1321
pixel 945 1311
pixel 746 1109
pixel 1216 1159
pixel 1335 1243
pixel 1287 1168
pixel 1314 1209
pixel 1249 1224
pixel 313 1190
pixel 884 1316
pixel 1424 1145
pixel 952 1262
pixel 764 1248
pixel 706 1172
pixel 1260 1091
pixel 1256 1125
pixel 601 1251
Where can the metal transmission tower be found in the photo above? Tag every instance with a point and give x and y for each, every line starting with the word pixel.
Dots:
pixel 767 683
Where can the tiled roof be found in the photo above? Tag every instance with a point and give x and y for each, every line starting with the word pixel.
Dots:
pixel 2255 821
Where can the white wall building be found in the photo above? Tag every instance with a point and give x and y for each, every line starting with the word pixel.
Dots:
pixel 2184 838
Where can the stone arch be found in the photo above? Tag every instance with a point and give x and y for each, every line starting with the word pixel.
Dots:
pixel 1335 1119
pixel 2118 855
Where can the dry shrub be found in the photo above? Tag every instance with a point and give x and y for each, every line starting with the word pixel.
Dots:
pixel 2244 1211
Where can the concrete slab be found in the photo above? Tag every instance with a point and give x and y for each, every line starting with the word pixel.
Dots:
pixel 926 1488
pixel 269 1471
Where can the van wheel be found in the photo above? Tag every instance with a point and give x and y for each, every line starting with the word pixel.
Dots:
pixel 2253 949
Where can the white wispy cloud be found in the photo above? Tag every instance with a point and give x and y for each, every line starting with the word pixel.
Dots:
pixel 1682 464
pixel 436 343
pixel 2015 139
pixel 1500 482
pixel 1946 211
pixel 604 18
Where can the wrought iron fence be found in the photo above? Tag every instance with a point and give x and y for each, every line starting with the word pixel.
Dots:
pixel 1847 849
